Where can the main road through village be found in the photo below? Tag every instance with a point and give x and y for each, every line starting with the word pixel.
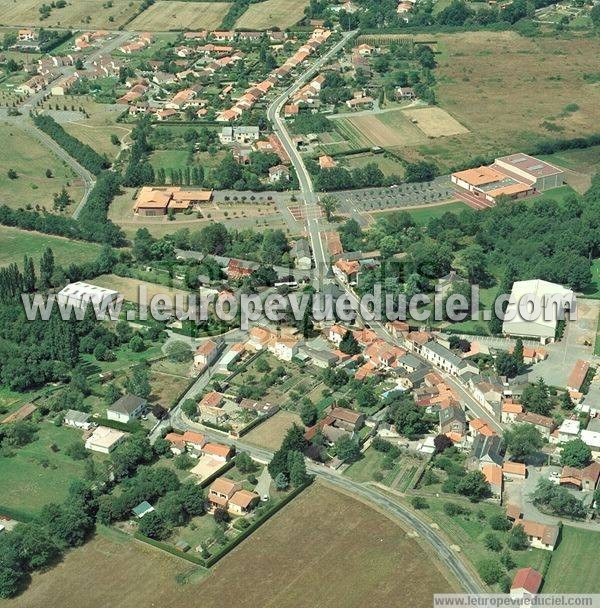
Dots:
pixel 447 555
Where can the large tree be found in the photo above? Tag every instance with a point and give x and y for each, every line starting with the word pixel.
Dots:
pixel 523 440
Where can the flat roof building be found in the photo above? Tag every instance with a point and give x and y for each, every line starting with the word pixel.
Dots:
pixel 554 302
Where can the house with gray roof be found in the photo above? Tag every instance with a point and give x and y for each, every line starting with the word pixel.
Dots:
pixel 487 449
pixel 77 420
pixel 127 408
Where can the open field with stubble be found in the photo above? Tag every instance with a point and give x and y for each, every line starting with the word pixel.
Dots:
pixel 511 92
pixel 124 572
pixel 168 15
pixel 15 243
pixel 325 550
pixel 77 13
pixel 21 152
pixel 272 13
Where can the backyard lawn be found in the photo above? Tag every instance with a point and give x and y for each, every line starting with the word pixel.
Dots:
pixel 36 475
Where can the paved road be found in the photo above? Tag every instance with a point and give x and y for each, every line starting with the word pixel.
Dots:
pixel 444 551
pixel 311 199
pixel 24 122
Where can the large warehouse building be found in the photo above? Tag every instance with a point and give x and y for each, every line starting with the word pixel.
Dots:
pixel 80 294
pixel 158 201
pixel 555 302
pixel 517 175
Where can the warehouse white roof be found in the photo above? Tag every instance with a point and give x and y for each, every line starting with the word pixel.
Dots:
pixel 551 299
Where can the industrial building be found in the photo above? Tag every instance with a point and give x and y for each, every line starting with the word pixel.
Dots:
pixel 516 176
pixel 554 303
pixel 80 294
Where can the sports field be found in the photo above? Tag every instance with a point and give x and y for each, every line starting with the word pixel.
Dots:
pixel 574 567
pixel 15 243
pixel 22 153
pixel 272 13
pixel 37 475
pixel 77 13
pixel 168 15
pixel 325 549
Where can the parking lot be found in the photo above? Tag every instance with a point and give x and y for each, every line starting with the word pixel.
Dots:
pixel 403 195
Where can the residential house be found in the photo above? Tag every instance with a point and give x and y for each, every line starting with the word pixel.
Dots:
pixel 336 334
pixel 452 420
pixel 493 475
pixel 592 440
pixel 218 451
pixel 510 410
pixel 444 358
pixel 243 501
pixel 326 162
pixel 221 490
pixel 514 470
pixel 26 34
pixel 364 50
pixel 347 419
pixel 568 430
pixel 526 584
pixel 541 536
pixel 279 173
pixel 242 134
pixel 210 406
pixel 238 269
pixel 543 424
pixel 206 353
pixel 104 439
pixel 284 348
pixel 177 443
pixel 487 449
pixel 127 408
pixel 347 270
pixel 578 375
pixel 300 253
pixel 259 338
pixel 77 420
pixel 404 93
pixel 488 392
pixel 581 479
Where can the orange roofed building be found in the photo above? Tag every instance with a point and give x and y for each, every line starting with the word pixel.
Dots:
pixel 158 201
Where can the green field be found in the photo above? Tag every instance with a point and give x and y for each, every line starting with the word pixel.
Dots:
pixel 421 215
pixel 30 160
pixel 362 470
pixel 574 567
pixel 36 475
pixel 15 243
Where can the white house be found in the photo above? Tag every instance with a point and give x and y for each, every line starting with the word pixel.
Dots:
pixel 77 420
pixel 336 334
pixel 127 408
pixel 569 429
pixel 206 353
pixel 285 348
pixel 104 440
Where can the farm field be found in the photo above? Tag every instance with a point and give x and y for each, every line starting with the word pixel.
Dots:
pixel 422 215
pixel 521 94
pixel 435 122
pixel 36 475
pixel 272 13
pixel 271 432
pixel 15 243
pixel 30 160
pixel 574 567
pixel 130 288
pixel 167 15
pixel 318 533
pixel 386 129
pixel 125 573
pixel 79 13
pixel 96 130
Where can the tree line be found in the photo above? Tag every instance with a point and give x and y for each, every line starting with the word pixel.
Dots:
pixel 82 153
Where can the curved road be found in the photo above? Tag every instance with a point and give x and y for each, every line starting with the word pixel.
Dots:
pixel 446 555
